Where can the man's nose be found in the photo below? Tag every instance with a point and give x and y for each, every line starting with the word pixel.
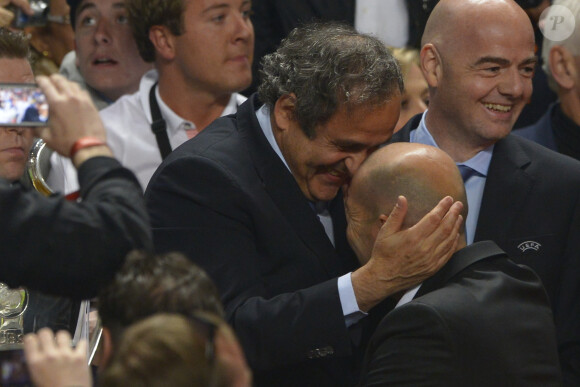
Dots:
pixel 102 34
pixel 354 161
pixel 513 84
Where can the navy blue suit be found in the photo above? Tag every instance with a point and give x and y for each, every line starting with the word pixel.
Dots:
pixel 540 132
pixel 531 209
pixel 230 204
pixel 480 321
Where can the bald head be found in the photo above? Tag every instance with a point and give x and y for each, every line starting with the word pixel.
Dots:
pixel 478 60
pixel 452 22
pixel 422 173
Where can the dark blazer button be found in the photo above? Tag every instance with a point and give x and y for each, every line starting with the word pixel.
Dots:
pixel 320 352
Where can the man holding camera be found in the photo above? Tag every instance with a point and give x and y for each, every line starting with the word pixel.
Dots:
pixel 49 244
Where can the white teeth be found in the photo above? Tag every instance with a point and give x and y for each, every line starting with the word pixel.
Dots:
pixel 334 173
pixel 501 108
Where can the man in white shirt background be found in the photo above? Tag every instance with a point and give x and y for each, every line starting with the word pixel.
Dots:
pixel 202 53
pixel 105 62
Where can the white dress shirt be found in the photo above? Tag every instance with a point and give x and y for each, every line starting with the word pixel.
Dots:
pixel 129 135
pixel 388 20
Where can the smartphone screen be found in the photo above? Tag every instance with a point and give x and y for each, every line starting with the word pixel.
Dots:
pixel 22 104
pixel 13 370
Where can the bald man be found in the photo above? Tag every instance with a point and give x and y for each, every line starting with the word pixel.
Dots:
pixel 520 195
pixel 481 320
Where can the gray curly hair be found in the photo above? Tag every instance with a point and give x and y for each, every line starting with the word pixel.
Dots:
pixel 325 65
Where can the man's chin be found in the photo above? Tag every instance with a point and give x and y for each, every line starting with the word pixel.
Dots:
pixel 325 195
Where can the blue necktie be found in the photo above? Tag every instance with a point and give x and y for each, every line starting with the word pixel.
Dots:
pixel 466 172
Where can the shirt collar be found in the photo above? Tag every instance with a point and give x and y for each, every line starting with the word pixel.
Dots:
pixel 263 116
pixel 175 122
pixel 408 296
pixel 480 162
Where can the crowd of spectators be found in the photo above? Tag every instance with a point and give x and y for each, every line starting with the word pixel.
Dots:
pixel 273 192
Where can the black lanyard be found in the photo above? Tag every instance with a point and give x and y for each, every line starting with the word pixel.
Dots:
pixel 158 125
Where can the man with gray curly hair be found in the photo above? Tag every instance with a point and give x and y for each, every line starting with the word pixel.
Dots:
pixel 256 201
pixel 558 128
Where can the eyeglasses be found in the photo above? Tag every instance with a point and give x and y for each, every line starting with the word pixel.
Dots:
pixel 207 329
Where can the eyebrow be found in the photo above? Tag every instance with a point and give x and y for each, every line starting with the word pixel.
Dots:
pixel 222 5
pixel 532 60
pixel 86 5
pixel 91 4
pixel 350 145
pixel 492 59
pixel 503 61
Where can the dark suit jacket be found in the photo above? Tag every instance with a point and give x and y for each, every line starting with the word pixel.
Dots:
pixel 229 203
pixel 480 321
pixel 531 209
pixel 541 132
pixel 72 249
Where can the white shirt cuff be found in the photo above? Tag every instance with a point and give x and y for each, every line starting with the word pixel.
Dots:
pixel 352 313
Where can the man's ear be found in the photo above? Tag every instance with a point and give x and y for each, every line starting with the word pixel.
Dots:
pixel 40 42
pixel 563 67
pixel 284 111
pixel 383 218
pixel 431 64
pixel 163 41
pixel 105 351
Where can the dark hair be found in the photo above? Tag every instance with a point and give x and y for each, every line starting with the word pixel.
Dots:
pixel 144 14
pixel 325 65
pixel 13 45
pixel 149 284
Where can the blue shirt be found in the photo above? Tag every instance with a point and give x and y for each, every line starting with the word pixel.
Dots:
pixel 473 186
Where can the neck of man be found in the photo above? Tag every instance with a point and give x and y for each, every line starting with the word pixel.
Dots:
pixel 193 104
pixel 456 142
pixel 570 104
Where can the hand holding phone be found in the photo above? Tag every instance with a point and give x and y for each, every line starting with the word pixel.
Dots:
pixel 72 117
pixel 22 104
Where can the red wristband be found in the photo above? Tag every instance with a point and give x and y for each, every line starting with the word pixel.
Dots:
pixel 85 142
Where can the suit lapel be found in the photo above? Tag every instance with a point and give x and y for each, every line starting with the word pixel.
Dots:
pixel 461 260
pixel 348 259
pixel 506 174
pixel 404 135
pixel 282 188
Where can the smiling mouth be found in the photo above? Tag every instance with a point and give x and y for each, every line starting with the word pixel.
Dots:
pixel 344 177
pixel 498 108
